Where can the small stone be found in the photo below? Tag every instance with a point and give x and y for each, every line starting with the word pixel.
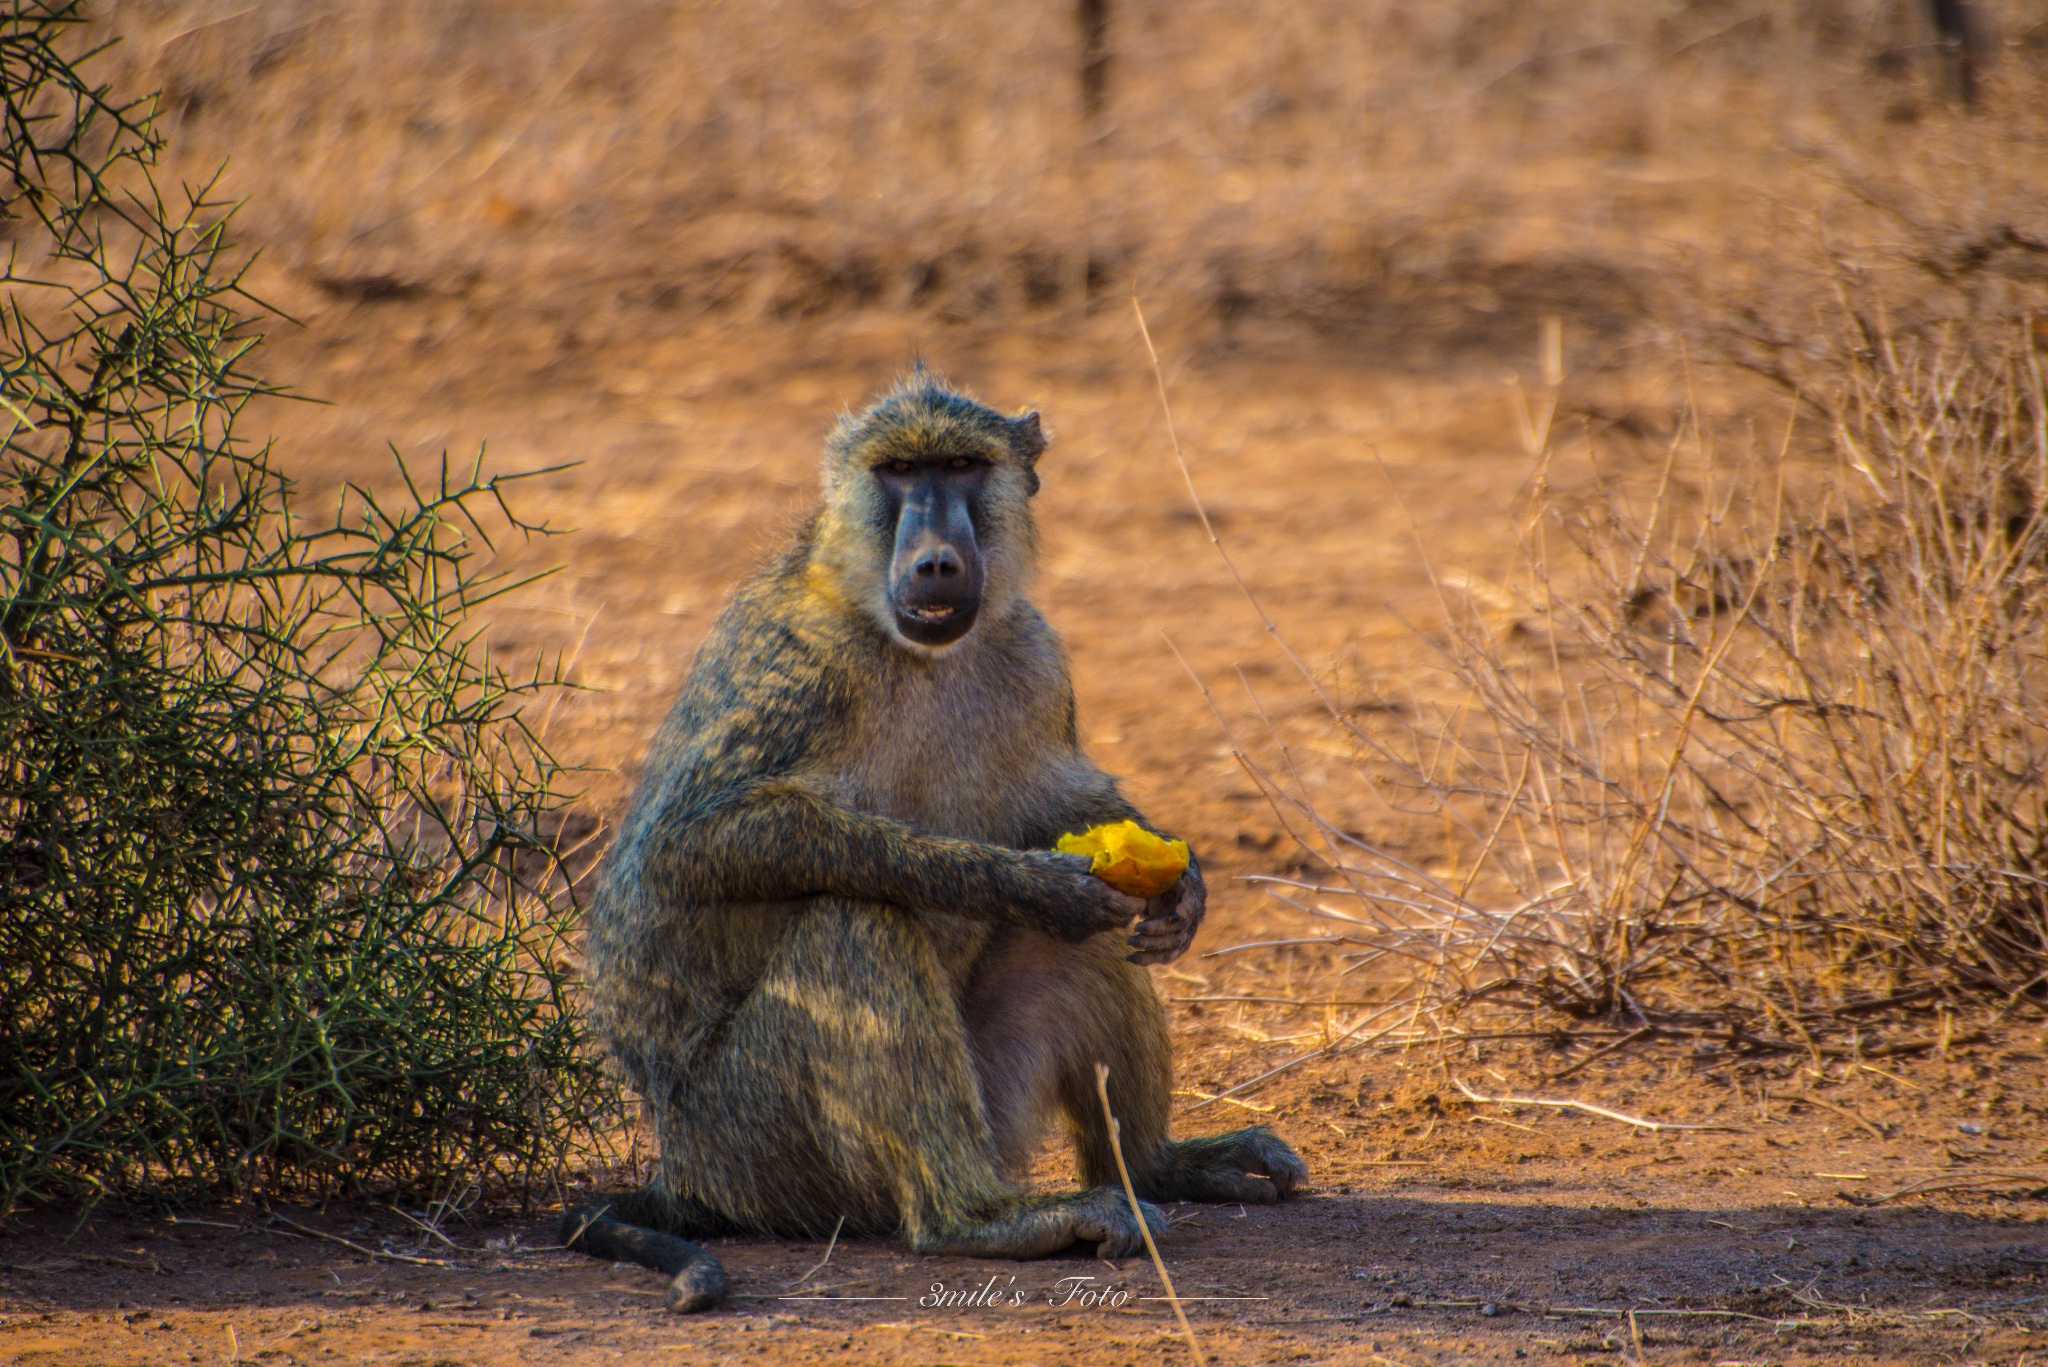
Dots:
pixel 1489 1310
pixel 1400 1298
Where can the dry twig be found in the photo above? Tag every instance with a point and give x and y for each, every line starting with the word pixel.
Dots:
pixel 828 1254
pixel 355 1247
pixel 1848 1114
pixel 1586 1107
pixel 1116 1147
pixel 1976 1181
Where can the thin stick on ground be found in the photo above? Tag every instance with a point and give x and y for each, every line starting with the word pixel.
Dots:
pixel 1274 1001
pixel 355 1247
pixel 423 1225
pixel 1588 1107
pixel 1319 1052
pixel 1604 1051
pixel 1116 1146
pixel 1211 1096
pixel 828 1254
pixel 1974 1182
pixel 1848 1114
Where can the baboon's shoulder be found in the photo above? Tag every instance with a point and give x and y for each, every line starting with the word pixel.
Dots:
pixel 769 690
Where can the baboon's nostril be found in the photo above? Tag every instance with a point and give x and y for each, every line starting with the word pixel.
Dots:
pixel 940 562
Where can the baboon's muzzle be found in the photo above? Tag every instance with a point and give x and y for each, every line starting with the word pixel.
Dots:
pixel 935 574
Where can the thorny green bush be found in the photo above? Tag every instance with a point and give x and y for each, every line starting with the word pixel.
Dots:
pixel 276 907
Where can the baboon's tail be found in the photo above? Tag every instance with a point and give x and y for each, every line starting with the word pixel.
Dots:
pixel 696 1280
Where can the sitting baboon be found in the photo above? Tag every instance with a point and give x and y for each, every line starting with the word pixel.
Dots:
pixel 834 949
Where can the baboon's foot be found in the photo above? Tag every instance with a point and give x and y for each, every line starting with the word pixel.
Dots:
pixel 1038 1226
pixel 1252 1166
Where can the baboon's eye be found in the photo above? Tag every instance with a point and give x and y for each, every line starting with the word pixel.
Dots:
pixel 901 467
pixel 958 463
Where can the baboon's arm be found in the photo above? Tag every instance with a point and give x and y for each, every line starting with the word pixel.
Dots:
pixel 778 840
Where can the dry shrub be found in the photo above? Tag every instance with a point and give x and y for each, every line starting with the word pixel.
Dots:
pixel 1756 736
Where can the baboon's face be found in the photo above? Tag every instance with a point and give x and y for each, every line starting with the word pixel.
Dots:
pixel 935 570
pixel 926 523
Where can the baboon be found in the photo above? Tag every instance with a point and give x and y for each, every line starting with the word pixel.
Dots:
pixel 834 949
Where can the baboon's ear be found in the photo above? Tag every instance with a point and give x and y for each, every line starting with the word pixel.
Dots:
pixel 1028 438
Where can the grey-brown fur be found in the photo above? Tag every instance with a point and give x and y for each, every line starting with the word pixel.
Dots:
pixel 834 950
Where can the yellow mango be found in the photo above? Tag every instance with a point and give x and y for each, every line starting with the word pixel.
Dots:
pixel 1129 858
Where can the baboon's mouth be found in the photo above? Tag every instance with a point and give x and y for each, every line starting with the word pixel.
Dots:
pixel 933 625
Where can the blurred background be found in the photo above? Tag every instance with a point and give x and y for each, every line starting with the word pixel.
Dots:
pixel 670 241
pixel 1349 166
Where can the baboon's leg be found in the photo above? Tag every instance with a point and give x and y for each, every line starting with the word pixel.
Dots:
pixel 1043 1014
pixel 1019 983
pixel 843 1086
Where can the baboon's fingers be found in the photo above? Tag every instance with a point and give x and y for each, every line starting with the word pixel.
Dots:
pixel 1221 1188
pixel 1162 939
pixel 1186 900
pixel 1254 1166
pixel 1148 952
pixel 1285 1167
pixel 1083 904
pixel 1171 920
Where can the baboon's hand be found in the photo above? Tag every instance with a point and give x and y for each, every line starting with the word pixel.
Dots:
pixel 1073 902
pixel 1171 920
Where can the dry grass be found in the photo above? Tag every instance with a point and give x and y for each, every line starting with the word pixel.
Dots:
pixel 1750 744
pixel 1753 744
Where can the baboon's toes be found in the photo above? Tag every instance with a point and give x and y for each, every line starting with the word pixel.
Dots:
pixel 1259 1150
pixel 1223 1188
pixel 1115 1234
pixel 698 1287
pixel 1284 1166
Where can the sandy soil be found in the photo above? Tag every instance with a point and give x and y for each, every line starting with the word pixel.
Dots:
pixel 1438 1230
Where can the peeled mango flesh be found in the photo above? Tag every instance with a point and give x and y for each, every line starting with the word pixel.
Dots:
pixel 1129 858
